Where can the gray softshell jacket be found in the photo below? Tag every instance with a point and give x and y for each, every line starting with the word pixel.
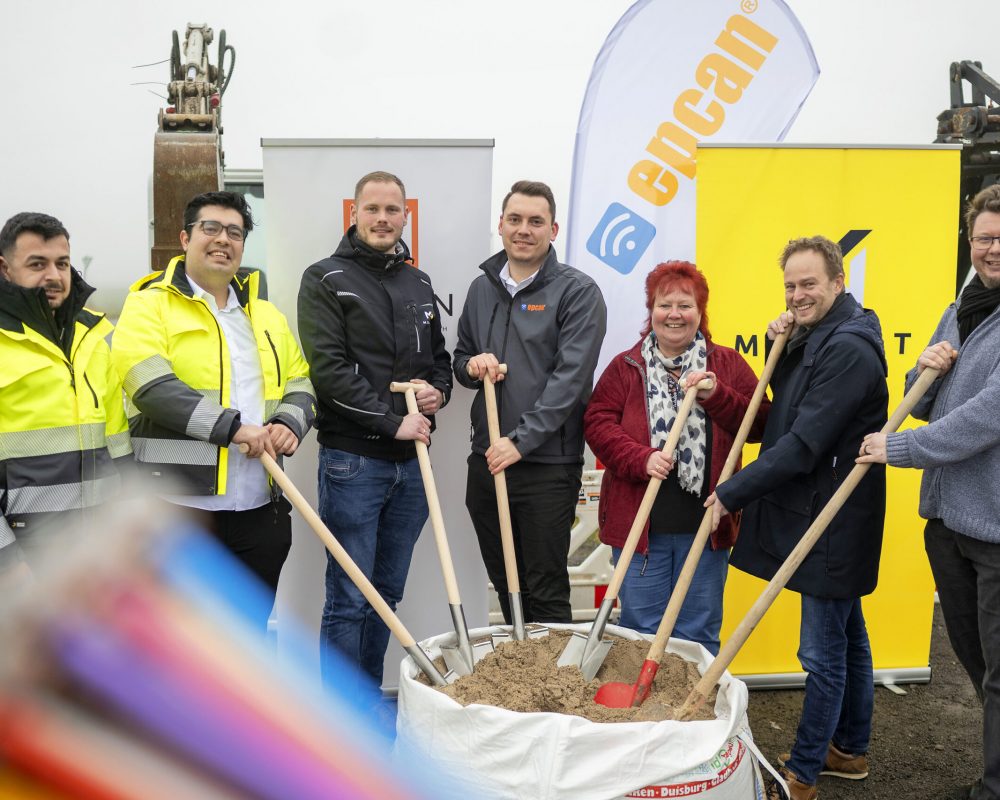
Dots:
pixel 549 335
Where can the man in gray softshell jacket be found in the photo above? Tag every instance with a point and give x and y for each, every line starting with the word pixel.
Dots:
pixel 546 321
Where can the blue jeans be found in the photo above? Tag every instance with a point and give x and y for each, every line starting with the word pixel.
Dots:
pixel 651 578
pixel 840 692
pixel 375 509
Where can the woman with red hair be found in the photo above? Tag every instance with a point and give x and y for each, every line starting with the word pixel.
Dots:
pixel 628 420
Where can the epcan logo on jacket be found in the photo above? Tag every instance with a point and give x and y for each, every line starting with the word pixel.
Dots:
pixel 532 306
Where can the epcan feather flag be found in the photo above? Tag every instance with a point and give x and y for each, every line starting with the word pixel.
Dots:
pixel 670 75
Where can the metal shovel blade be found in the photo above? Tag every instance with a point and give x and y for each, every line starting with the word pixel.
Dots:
pixel 456 661
pixel 456 657
pixel 588 651
pixel 589 659
pixel 532 630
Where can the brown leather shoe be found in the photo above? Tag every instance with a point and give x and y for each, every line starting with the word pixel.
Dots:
pixel 844 765
pixel 798 790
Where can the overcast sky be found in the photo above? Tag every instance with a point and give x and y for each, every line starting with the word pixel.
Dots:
pixel 77 137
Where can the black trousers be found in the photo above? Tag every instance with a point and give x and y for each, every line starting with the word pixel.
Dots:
pixel 543 499
pixel 259 537
pixel 967 573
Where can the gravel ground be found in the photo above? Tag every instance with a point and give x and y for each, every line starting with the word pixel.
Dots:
pixel 926 744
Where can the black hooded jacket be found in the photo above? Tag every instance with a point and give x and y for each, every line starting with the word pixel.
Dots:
pixel 20 306
pixel 366 319
pixel 829 390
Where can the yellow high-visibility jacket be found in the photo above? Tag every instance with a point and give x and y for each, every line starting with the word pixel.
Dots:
pixel 62 418
pixel 174 363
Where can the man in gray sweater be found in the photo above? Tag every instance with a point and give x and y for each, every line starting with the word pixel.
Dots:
pixel 960 454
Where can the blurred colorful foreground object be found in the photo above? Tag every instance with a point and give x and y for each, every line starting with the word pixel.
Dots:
pixel 138 675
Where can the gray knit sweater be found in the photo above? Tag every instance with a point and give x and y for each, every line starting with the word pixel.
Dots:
pixel 960 449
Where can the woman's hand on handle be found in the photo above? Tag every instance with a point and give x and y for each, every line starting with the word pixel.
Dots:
pixel 694 378
pixel 659 464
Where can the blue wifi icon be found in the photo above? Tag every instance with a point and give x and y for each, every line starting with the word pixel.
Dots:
pixel 621 238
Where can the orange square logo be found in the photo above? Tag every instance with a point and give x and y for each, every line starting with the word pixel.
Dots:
pixel 412 224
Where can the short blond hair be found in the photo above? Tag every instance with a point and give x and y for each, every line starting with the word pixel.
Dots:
pixel 829 250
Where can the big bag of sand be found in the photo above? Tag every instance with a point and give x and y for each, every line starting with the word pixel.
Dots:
pixel 548 756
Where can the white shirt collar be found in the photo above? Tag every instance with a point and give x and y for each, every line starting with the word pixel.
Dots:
pixel 512 285
pixel 208 297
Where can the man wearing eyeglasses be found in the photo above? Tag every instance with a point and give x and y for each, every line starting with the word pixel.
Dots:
pixel 209 365
pixel 63 434
pixel 959 452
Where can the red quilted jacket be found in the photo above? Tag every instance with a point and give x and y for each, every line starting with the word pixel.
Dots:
pixel 616 427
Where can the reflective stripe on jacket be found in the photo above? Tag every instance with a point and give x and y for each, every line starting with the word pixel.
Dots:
pixel 174 363
pixel 62 422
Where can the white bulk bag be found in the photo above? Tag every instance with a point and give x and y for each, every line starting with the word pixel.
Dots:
pixel 547 756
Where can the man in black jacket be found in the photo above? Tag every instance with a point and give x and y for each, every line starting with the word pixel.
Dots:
pixel 829 391
pixel 367 318
pixel 546 321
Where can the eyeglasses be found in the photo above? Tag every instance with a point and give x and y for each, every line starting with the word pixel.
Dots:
pixel 984 242
pixel 211 227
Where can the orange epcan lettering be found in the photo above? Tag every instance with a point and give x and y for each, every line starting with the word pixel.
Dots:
pixel 724 75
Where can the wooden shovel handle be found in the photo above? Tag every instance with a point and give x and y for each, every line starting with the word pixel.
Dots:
pixel 433 502
pixel 739 636
pixel 500 482
pixel 680 591
pixel 639 523
pixel 392 622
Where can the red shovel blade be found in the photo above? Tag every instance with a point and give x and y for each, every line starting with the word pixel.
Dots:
pixel 615 695
pixel 624 695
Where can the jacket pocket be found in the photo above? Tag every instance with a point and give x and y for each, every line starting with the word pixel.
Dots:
pixel 415 321
pixel 785 515
pixel 341 466
pixel 274 354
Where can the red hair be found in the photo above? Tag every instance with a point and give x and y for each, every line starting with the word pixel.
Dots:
pixel 680 276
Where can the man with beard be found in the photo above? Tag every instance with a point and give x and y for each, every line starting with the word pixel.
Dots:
pixel 63 433
pixel 367 318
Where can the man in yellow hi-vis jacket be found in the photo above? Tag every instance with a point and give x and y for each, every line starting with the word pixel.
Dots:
pixel 208 364
pixel 63 432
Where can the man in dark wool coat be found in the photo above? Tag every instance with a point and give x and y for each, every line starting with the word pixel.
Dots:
pixel 829 390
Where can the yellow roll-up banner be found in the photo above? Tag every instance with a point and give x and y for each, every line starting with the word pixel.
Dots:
pixel 894 211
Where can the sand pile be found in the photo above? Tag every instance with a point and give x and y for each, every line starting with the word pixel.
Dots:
pixel 523 676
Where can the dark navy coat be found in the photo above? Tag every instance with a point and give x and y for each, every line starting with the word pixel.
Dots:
pixel 829 390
